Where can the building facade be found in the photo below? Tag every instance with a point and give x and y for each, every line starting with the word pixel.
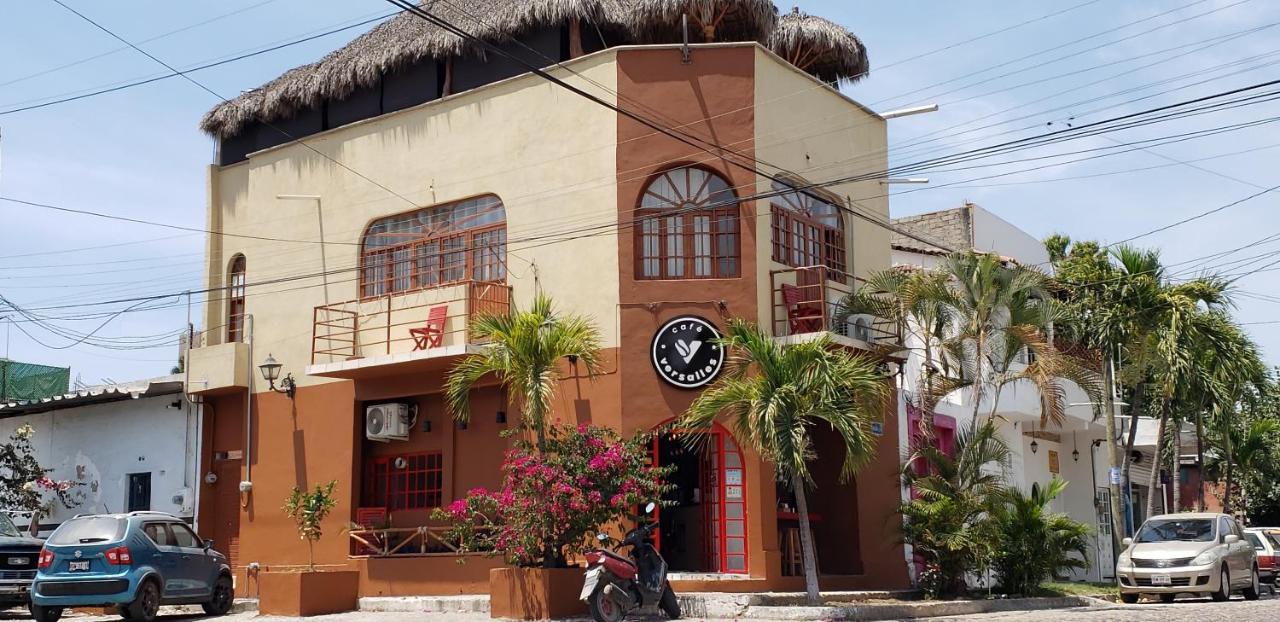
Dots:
pixel 1073 451
pixel 478 199
pixel 123 447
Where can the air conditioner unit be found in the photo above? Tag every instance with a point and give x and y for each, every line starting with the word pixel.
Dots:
pixel 388 422
pixel 859 327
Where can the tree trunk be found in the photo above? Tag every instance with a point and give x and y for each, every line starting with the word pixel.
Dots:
pixel 1226 497
pixel 806 544
pixel 1135 410
pixel 1117 525
pixel 977 375
pixel 1154 480
pixel 311 555
pixel 1200 460
pixel 1175 466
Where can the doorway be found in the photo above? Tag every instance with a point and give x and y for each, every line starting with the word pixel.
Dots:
pixel 139 492
pixel 702 526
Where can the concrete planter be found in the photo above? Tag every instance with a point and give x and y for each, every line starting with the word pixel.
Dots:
pixel 535 593
pixel 297 594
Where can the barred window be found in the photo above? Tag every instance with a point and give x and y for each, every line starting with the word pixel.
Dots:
pixel 688 227
pixel 416 483
pixel 435 246
pixel 808 230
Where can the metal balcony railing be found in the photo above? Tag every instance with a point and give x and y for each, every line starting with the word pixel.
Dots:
pixel 809 299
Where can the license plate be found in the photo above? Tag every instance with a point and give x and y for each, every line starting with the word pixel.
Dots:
pixel 589 584
pixel 1161 579
pixel 80 566
pixel 12 589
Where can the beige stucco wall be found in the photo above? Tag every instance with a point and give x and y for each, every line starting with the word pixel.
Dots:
pixel 547 153
pixel 806 128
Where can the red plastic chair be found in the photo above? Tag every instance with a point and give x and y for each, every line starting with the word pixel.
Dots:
pixel 432 334
pixel 801 317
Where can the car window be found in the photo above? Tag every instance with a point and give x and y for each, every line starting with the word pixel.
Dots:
pixel 159 533
pixel 1275 540
pixel 184 537
pixel 1176 530
pixel 1253 539
pixel 1224 527
pixel 7 527
pixel 89 529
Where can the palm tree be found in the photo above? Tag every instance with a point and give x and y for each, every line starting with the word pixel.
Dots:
pixel 524 351
pixel 774 396
pixel 949 520
pixel 1037 543
pixel 1001 312
pixel 913 299
pixel 1245 447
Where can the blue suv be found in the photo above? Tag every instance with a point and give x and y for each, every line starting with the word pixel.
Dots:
pixel 134 562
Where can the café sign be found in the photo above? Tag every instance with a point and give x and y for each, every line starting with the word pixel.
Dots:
pixel 684 353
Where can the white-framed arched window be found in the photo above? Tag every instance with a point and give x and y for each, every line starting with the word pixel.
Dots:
pixel 235 299
pixel 688 227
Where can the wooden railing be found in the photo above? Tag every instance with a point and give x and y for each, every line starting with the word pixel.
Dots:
pixel 400 541
pixel 381 325
pixel 809 299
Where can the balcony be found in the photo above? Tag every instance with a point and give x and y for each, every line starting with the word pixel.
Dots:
pixel 217 368
pixel 422 329
pixel 805 302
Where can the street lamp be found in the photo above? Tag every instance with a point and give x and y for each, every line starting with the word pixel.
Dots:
pixel 271 372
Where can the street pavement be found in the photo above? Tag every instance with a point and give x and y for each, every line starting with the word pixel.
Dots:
pixel 1189 610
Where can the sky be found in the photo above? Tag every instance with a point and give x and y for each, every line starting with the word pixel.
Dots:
pixel 998 71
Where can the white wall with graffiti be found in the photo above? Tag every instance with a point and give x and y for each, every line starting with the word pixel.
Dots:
pixel 131 446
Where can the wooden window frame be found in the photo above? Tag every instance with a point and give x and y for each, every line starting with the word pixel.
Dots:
pixel 684 243
pixel 385 486
pixel 236 298
pixel 439 258
pixel 824 244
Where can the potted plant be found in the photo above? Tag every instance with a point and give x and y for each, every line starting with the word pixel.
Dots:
pixel 309 592
pixel 556 493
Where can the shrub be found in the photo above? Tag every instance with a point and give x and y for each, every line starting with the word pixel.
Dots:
pixel 1036 544
pixel 551 503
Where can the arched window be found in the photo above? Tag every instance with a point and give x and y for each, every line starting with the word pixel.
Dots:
pixel 688 227
pixel 808 230
pixel 235 300
pixel 435 246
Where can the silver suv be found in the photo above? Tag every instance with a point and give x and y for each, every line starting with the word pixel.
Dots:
pixel 1202 554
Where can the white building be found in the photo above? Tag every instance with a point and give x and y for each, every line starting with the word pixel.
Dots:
pixel 129 446
pixel 1072 451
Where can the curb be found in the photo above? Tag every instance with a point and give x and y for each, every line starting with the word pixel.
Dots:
pixel 898 611
pixel 425 604
pixel 241 605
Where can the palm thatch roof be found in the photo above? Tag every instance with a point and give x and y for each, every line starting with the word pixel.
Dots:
pixel 819 46
pixel 406 39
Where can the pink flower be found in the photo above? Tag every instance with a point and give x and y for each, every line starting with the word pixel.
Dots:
pixel 478 491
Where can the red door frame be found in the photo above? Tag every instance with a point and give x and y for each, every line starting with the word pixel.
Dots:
pixel 717 435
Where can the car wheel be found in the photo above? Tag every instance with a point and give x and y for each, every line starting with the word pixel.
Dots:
pixel 1129 599
pixel 1254 590
pixel 146 604
pixel 1224 587
pixel 46 614
pixel 221 599
pixel 1167 598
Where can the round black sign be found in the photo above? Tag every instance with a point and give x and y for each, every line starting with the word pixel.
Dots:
pixel 684 354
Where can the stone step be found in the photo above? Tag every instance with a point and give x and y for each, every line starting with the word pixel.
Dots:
pixel 466 603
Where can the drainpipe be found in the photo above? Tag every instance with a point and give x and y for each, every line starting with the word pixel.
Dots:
pixel 246 487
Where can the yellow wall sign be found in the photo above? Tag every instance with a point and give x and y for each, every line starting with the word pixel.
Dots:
pixel 1053 462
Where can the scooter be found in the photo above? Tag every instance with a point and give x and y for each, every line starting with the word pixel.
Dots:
pixel 615 585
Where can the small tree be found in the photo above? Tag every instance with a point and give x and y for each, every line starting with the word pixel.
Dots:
pixel 308 510
pixel 24 484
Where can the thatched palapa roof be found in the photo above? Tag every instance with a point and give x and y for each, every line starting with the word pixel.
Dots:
pixel 820 47
pixel 813 44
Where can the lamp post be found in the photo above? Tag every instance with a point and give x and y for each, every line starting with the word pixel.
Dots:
pixel 271 372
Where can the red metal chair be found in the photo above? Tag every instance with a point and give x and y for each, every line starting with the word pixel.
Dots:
pixel 432 334
pixel 802 315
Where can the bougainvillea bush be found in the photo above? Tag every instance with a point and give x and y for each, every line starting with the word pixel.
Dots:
pixel 551 503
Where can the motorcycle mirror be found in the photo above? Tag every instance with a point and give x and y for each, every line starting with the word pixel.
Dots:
pixel 648 509
pixel 602 537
